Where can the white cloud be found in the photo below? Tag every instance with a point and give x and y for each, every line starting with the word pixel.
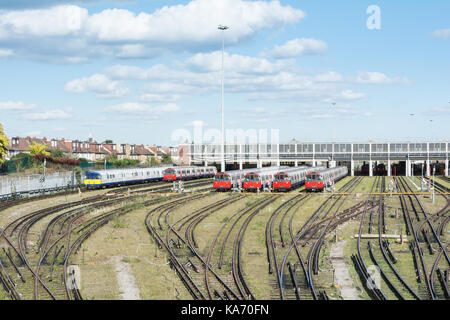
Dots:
pixel 365 77
pixel 320 116
pixel 70 31
pixel 212 61
pixel 261 120
pixel 33 133
pixel 196 123
pixel 59 129
pixel 260 78
pixel 63 20
pixel 298 47
pixel 350 95
pixel 443 34
pixel 330 76
pixel 151 97
pixel 438 111
pixel 16 105
pixel 142 108
pixel 15 4
pixel 48 115
pixel 97 83
pixel 5 53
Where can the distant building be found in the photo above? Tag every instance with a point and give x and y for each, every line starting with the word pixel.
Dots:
pixel 92 150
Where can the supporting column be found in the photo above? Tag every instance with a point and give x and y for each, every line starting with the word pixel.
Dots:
pixel 259 165
pixel 241 165
pixel 314 163
pixel 446 168
pixel 408 168
pixel 371 168
pixel 278 162
pixel 427 171
pixel 296 163
pixel 352 168
pixel 389 168
pixel 206 163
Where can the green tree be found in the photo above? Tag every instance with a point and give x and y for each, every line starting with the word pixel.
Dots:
pixel 112 157
pixel 166 159
pixel 108 141
pixel 37 148
pixel 154 162
pixel 3 144
pixel 57 153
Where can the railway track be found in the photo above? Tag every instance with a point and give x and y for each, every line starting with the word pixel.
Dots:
pixel 304 250
pixel 36 256
pixel 35 262
pixel 428 232
pixel 180 243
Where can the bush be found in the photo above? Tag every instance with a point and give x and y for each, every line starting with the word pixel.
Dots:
pixel 64 161
pixel 57 153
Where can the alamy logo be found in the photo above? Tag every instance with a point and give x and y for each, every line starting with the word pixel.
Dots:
pixel 374 20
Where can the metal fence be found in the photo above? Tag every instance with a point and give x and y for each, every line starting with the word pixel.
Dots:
pixel 11 186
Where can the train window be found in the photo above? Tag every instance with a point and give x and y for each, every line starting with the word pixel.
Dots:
pixel 222 177
pixel 169 172
pixel 281 177
pixel 251 177
pixel 314 177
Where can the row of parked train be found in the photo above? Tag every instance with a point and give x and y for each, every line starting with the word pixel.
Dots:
pixel 274 178
pixel 279 179
pixel 117 177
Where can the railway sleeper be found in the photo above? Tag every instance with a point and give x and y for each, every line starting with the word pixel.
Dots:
pixel 442 276
pixel 389 251
pixel 416 262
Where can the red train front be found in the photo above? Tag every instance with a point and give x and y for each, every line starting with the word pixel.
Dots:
pixel 282 182
pixel 222 182
pixel 169 175
pixel 314 182
pixel 252 182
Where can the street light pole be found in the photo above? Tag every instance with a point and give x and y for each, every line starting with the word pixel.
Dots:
pixel 222 162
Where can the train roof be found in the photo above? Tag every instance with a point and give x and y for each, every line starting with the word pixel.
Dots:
pixel 325 170
pixel 293 170
pixel 109 171
pixel 190 167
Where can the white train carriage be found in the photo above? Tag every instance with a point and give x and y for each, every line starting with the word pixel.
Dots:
pixel 103 178
pixel 187 173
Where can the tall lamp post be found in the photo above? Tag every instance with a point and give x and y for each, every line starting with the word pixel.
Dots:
pixel 222 162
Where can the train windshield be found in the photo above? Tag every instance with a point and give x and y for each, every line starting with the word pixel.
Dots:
pixel 281 177
pixel 222 177
pixel 314 177
pixel 91 175
pixel 252 177
pixel 169 172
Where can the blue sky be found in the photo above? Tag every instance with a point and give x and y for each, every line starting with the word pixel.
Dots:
pixel 137 71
